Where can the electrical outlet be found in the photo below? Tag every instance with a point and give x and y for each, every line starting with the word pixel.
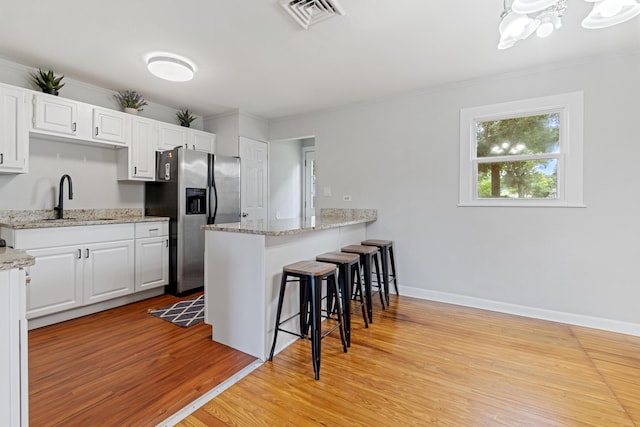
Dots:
pixel 327 191
pixel 346 197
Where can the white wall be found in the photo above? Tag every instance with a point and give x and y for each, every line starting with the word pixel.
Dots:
pixel 285 179
pixel 400 155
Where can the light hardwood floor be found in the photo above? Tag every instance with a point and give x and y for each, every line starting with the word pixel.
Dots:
pixel 426 363
pixel 122 367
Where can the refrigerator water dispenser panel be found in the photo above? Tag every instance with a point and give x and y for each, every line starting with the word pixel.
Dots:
pixel 196 201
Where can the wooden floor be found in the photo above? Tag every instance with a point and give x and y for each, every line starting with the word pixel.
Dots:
pixel 122 367
pixel 425 363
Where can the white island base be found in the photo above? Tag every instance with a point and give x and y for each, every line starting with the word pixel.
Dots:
pixel 242 280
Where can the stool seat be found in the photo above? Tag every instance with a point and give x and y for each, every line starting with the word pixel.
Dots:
pixel 310 268
pixel 360 249
pixel 374 242
pixel 338 257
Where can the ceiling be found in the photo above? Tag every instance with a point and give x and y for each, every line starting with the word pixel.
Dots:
pixel 252 56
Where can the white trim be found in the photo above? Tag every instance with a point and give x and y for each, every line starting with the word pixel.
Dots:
pixel 570 159
pixel 526 311
pixel 211 394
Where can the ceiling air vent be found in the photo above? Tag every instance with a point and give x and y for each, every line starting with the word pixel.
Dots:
pixel 310 12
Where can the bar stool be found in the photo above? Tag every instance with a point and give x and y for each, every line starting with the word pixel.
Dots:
pixel 367 254
pixel 348 275
pixel 310 275
pixel 386 255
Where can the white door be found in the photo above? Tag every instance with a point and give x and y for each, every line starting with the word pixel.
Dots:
pixel 152 262
pixel 309 183
pixel 253 179
pixel 143 146
pixel 13 131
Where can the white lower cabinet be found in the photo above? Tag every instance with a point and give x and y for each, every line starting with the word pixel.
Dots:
pixel 77 266
pixel 108 270
pixel 56 280
pixel 152 255
pixel 13 357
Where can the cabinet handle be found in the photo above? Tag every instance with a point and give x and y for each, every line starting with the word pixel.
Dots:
pixel 86 254
pixel 1 158
pixel 27 277
pixel 153 229
pixel 135 170
pixel 79 253
pixel 194 146
pixel 166 243
pixel 73 126
pixel 96 130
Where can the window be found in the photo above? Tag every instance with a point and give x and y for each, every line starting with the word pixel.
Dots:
pixel 522 153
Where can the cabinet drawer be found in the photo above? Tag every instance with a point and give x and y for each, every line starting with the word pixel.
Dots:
pixel 152 229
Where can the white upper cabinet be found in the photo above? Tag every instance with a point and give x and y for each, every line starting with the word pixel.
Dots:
pixel 55 115
pixel 201 141
pixel 171 136
pixel 138 161
pixel 111 126
pixel 14 136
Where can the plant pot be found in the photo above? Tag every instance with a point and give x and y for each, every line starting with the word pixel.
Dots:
pixel 51 91
pixel 185 125
pixel 130 110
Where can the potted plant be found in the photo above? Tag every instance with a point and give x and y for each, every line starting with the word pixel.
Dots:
pixel 130 101
pixel 185 117
pixel 47 81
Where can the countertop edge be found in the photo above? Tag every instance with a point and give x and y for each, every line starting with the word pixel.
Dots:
pixel 239 228
pixel 14 258
pixel 80 222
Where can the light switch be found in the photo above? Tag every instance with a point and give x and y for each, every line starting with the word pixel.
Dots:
pixel 327 191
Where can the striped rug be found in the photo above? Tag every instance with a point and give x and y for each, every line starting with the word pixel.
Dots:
pixel 183 313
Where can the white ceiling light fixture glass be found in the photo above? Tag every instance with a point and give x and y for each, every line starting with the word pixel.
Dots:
pixel 170 67
pixel 525 17
pixel 606 13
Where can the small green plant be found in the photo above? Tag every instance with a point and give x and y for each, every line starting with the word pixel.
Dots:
pixel 130 99
pixel 47 81
pixel 185 117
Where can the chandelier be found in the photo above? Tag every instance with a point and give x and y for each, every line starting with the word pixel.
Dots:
pixel 524 17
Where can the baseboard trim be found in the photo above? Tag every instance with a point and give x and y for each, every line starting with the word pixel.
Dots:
pixel 526 311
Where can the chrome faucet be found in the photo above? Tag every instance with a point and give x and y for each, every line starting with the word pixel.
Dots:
pixel 60 207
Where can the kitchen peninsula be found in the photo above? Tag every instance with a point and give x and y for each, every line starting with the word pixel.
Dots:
pixel 243 266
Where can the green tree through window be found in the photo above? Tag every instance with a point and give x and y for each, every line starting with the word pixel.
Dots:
pixel 518 157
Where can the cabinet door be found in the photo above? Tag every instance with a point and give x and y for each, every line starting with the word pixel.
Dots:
pixel 143 149
pixel 54 114
pixel 13 357
pixel 108 270
pixel 201 141
pixel 13 131
pixel 56 280
pixel 171 136
pixel 152 262
pixel 111 126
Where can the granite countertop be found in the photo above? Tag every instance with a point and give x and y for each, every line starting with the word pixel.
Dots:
pixel 329 218
pixel 74 217
pixel 13 258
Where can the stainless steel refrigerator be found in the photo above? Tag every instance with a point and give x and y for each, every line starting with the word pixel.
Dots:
pixel 192 188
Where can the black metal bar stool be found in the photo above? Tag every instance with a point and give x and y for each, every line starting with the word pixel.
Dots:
pixel 310 275
pixel 348 276
pixel 367 254
pixel 386 257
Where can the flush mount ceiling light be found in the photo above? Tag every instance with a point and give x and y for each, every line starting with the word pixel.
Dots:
pixel 606 13
pixel 310 12
pixel 525 17
pixel 170 67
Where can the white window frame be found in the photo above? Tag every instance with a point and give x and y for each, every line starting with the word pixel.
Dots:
pixel 570 158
